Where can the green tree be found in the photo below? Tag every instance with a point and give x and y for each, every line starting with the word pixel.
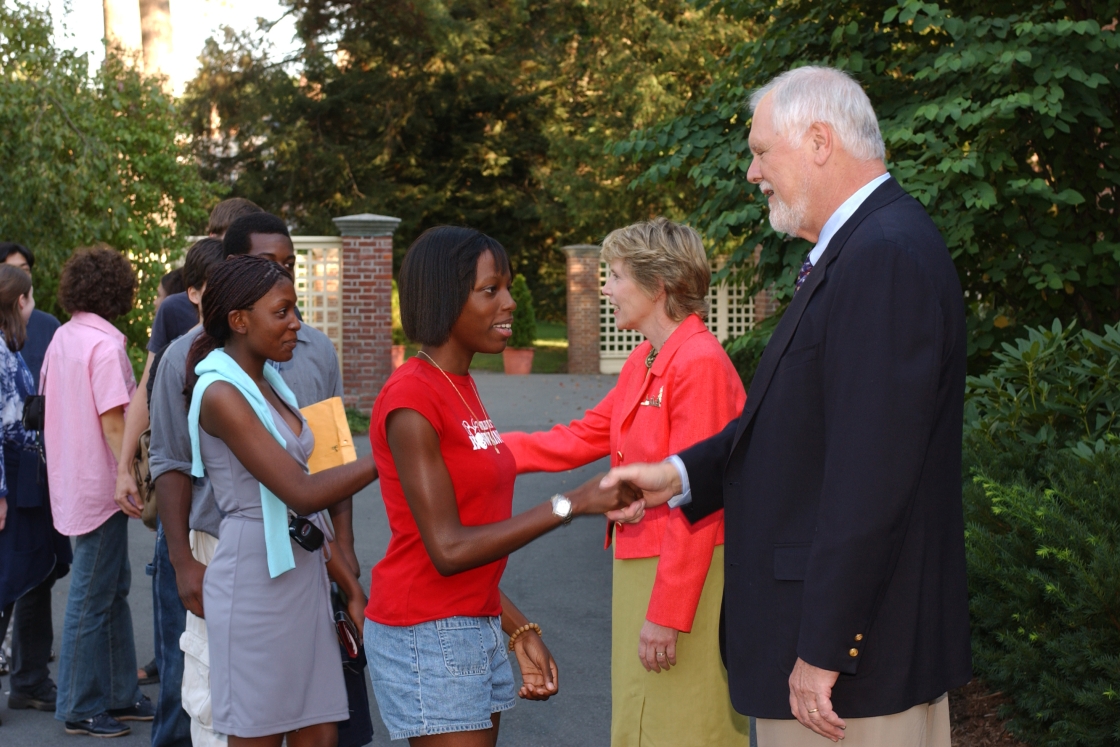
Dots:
pixel 489 113
pixel 998 116
pixel 613 66
pixel 88 158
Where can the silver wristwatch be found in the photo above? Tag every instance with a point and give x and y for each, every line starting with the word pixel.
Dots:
pixel 562 508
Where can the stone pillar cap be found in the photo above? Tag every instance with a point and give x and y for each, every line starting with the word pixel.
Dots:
pixel 366 224
pixel 582 250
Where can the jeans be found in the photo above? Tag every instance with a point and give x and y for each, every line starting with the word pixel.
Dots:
pixel 172 725
pixel 32 638
pixel 97 664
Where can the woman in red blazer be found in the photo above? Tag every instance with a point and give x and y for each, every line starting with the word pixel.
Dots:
pixel 678 387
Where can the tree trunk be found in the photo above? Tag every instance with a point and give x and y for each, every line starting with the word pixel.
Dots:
pixel 122 25
pixel 155 25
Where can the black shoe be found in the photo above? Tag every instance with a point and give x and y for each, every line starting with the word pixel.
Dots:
pixel 43 702
pixel 101 725
pixel 142 711
pixel 151 674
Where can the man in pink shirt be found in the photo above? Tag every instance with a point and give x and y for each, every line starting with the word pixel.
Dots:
pixel 87 382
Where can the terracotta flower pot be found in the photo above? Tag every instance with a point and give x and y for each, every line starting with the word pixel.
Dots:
pixel 518 361
pixel 398 356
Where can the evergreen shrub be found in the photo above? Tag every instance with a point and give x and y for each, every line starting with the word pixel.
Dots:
pixel 1042 510
pixel 524 319
pixel 1057 387
pixel 1043 544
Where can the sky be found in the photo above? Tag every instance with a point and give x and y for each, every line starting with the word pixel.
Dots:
pixel 80 24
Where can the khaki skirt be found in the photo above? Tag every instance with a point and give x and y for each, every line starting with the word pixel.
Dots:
pixel 687 706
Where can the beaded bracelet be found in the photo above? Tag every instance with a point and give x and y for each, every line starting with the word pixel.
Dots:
pixel 524 629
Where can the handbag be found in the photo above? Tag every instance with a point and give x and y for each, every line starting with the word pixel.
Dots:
pixel 358 729
pixel 144 486
pixel 34 412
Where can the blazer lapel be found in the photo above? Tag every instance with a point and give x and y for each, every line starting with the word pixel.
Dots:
pixel 887 193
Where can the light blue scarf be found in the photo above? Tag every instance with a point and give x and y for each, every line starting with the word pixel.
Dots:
pixel 218 366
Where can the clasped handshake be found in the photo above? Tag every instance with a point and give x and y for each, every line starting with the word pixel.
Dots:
pixel 624 493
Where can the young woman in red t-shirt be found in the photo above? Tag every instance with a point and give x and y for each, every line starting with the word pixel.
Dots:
pixel 437 657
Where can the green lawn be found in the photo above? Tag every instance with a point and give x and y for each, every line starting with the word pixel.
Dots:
pixel 551 356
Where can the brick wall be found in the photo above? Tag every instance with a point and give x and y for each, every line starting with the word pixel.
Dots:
pixel 583 308
pixel 367 285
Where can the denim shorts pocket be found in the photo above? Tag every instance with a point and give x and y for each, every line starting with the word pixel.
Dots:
pixel 460 638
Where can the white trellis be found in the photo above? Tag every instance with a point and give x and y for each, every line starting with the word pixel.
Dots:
pixel 731 312
pixel 319 285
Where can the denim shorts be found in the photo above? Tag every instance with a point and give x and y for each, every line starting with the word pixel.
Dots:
pixel 438 677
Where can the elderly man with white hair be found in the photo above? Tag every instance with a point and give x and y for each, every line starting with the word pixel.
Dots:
pixel 845 596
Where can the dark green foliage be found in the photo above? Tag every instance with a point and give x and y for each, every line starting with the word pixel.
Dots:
pixel 358 421
pixel 87 158
pixel 487 113
pixel 999 116
pixel 1043 543
pixel 524 319
pixel 746 350
pixel 1042 482
pixel 1055 387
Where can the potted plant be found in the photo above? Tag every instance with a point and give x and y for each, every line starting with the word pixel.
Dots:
pixel 517 358
pixel 399 338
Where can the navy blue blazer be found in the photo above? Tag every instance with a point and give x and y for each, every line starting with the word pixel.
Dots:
pixel 841 480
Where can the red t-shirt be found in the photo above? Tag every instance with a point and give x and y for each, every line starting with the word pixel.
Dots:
pixel 406 588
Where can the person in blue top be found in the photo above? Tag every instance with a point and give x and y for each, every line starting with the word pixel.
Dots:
pixel 32 553
pixel 41 326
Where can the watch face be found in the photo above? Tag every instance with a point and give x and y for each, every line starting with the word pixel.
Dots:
pixel 563 506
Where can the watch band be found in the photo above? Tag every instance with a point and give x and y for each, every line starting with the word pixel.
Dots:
pixel 565 517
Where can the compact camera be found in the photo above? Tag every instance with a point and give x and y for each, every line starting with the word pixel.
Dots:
pixel 305 534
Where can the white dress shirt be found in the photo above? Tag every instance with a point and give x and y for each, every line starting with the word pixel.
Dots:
pixel 831 226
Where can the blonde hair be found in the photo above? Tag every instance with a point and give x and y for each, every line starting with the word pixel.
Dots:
pixel 660 252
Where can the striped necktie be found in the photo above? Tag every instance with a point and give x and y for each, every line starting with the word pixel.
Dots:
pixel 803 273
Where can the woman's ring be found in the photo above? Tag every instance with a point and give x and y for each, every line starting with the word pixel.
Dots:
pixel 813 710
pixel 660 655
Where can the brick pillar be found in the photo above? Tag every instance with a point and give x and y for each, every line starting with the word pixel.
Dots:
pixel 367 288
pixel 583 308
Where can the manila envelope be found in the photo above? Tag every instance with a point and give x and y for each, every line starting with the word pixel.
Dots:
pixel 334 445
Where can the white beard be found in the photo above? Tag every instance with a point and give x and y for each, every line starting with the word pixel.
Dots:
pixel 785 217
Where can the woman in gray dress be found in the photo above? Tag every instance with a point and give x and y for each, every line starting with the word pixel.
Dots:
pixel 274 658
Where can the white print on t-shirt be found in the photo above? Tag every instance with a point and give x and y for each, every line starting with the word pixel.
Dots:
pixel 482 434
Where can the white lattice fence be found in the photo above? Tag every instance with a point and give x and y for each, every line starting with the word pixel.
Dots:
pixel 319 285
pixel 731 312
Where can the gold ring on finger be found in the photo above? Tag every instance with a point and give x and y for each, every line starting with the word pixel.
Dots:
pixel 813 710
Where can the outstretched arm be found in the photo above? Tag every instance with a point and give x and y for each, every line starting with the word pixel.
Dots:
pixel 453 547
pixel 227 415
pixel 568 446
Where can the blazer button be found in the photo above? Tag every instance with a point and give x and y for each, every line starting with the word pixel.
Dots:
pixel 859 637
pixel 620 456
pixel 853 652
